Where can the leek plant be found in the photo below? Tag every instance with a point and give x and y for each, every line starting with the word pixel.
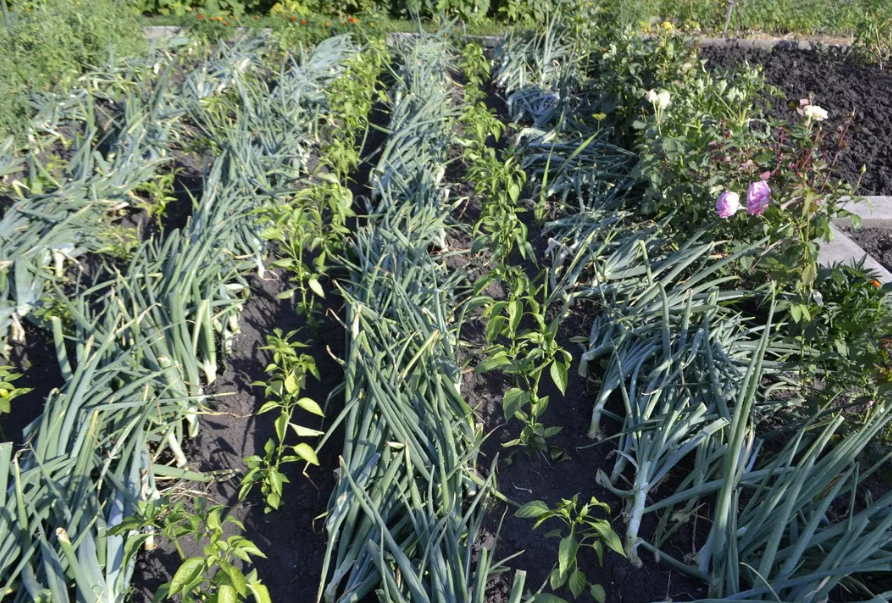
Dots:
pixel 39 232
pixel 144 339
pixel 87 465
pixel 10 163
pixel 695 360
pixel 409 504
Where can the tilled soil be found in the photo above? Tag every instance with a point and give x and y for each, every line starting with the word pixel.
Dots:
pixel 840 86
pixel 35 359
pixel 293 537
pixel 877 242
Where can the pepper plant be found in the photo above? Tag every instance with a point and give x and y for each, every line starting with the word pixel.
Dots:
pixel 8 389
pixel 581 529
pixel 213 577
pixel 523 352
pixel 306 231
pixel 500 181
pixel 289 370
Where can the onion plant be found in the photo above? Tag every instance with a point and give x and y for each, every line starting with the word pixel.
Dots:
pixel 141 345
pixel 409 504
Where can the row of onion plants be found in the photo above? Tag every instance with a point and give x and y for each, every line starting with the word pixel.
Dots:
pixel 689 347
pixel 137 347
pixel 408 506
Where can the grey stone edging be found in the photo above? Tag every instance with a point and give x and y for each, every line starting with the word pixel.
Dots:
pixel 844 250
pixel 875 212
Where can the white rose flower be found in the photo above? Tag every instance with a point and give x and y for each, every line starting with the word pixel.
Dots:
pixel 652 97
pixel 815 112
pixel 663 100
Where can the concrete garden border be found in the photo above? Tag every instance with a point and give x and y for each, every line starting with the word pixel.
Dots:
pixel 875 213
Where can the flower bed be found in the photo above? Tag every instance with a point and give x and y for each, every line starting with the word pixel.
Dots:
pixel 844 88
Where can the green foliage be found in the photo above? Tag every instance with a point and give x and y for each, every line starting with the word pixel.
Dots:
pixel 350 99
pixel 306 231
pixel 626 66
pixel 48 44
pixel 499 182
pixel 581 529
pixel 873 40
pixel 695 148
pixel 212 577
pixel 844 327
pixel 289 371
pixel 156 193
pixel 213 7
pixel 769 16
pixel 474 65
pixel 479 121
pixel 119 242
pixel 8 389
pixel 520 342
pixel 702 141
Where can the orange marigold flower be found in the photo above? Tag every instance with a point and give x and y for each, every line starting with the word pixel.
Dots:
pixel 256 17
pixel 876 283
pixel 201 17
pixel 293 18
pixel 225 23
pixel 303 21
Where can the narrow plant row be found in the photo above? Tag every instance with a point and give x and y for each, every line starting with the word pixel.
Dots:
pixel 408 507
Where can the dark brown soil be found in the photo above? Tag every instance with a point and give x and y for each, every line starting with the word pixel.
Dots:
pixel 36 361
pixel 523 478
pixel 291 538
pixel 839 86
pixel 877 242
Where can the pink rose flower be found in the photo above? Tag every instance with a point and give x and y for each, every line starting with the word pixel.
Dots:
pixel 757 198
pixel 727 204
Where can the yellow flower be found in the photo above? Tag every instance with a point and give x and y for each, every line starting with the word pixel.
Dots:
pixel 666 25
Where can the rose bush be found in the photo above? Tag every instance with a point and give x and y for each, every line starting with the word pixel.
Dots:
pixel 704 140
